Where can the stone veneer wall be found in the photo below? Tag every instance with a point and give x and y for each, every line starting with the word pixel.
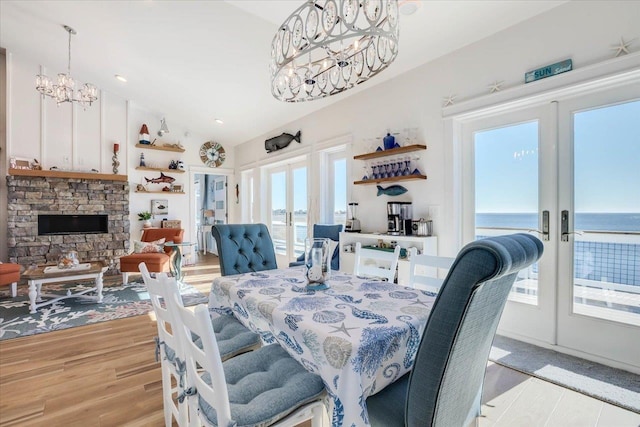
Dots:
pixel 30 196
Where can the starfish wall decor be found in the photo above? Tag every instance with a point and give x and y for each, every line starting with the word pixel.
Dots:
pixel 448 100
pixel 622 47
pixel 496 86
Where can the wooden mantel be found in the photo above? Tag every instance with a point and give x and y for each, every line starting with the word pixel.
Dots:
pixel 66 174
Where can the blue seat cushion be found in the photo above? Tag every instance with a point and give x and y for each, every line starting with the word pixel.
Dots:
pixel 386 408
pixel 232 336
pixel 264 386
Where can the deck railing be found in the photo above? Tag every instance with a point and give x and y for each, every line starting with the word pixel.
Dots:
pixel 606 274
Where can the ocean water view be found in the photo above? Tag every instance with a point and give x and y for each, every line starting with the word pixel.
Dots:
pixel 583 221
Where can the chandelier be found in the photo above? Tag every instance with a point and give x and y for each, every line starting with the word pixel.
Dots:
pixel 65 90
pixel 328 46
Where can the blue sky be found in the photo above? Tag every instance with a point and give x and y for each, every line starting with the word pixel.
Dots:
pixel 606 169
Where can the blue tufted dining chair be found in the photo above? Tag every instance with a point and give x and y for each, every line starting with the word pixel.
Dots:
pixel 262 388
pixel 243 248
pixel 444 387
pixel 232 337
pixel 321 231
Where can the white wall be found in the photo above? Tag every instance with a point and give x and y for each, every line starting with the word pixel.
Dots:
pixel 72 138
pixel 582 31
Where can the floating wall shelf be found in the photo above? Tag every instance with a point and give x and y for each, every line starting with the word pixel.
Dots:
pixel 391 179
pixel 391 152
pixel 66 174
pixel 144 168
pixel 161 148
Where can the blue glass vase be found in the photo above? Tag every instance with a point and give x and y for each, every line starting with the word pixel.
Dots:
pixel 389 141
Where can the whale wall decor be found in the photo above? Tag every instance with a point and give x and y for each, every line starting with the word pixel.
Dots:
pixel 281 141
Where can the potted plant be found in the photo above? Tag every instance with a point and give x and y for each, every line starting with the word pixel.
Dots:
pixel 146 217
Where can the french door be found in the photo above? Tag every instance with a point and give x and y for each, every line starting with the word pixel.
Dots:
pixel 568 172
pixel 510 163
pixel 599 204
pixel 288 210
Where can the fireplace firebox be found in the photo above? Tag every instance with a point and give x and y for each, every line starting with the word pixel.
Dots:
pixel 72 224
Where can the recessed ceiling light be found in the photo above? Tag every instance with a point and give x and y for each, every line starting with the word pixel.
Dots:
pixel 218 121
pixel 121 78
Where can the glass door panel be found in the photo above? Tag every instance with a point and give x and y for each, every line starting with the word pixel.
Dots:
pixel 506 191
pixel 508 169
pixel 339 191
pixel 288 211
pixel 300 220
pixel 606 253
pixel 278 219
pixel 599 248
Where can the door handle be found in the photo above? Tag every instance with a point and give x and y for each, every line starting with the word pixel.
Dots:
pixel 564 227
pixel 290 219
pixel 545 226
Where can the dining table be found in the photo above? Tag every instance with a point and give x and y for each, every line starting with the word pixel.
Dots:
pixel 359 335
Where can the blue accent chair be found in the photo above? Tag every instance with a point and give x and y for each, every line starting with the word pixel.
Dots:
pixel 243 248
pixel 325 232
pixel 444 387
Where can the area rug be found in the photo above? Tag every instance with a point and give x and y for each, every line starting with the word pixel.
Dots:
pixel 119 301
pixel 611 385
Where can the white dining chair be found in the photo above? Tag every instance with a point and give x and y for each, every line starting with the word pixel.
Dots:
pixel 234 339
pixel 376 263
pixel 265 387
pixel 425 270
pixel 169 350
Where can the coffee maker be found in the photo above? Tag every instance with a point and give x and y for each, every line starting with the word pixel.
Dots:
pixel 353 224
pixel 399 218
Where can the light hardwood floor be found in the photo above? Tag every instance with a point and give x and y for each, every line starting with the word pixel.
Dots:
pixel 106 375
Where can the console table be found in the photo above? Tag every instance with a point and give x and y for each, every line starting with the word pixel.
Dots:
pixel 39 275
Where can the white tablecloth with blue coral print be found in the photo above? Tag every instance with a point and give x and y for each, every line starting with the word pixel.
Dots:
pixel 359 335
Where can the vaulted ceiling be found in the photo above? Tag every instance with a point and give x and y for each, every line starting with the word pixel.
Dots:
pixel 195 61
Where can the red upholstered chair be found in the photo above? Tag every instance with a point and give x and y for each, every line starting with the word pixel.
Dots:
pixel 156 262
pixel 10 275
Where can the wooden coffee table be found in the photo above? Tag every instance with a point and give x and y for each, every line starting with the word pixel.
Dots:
pixel 49 274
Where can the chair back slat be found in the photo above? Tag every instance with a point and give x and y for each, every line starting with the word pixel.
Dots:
pixel 196 324
pixel 384 263
pixel 158 295
pixel 164 295
pixel 424 270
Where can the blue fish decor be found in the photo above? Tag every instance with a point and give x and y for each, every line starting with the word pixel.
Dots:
pixel 281 141
pixel 393 190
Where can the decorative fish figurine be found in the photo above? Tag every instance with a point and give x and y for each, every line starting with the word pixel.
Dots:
pixel 163 179
pixel 393 190
pixel 281 141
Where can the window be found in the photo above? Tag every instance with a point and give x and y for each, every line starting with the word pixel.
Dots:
pixel 334 194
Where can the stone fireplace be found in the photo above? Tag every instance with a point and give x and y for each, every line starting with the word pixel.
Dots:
pixel 31 196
